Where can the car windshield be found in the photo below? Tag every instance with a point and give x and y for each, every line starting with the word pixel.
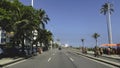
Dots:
pixel 59 34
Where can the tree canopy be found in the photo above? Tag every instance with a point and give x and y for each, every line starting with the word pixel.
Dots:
pixel 22 20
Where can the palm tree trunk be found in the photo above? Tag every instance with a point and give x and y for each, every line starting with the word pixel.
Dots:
pixel 83 43
pixel 36 47
pixel 23 46
pixel 96 42
pixel 109 25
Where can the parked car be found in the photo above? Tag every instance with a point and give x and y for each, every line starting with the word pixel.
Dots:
pixel 1 53
pixel 59 48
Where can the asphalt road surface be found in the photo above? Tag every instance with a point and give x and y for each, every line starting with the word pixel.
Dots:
pixel 55 58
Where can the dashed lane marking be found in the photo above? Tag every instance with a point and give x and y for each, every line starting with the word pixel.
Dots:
pixel 49 59
pixel 53 53
pixel 71 59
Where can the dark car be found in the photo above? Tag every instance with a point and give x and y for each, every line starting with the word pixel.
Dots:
pixel 59 48
pixel 1 53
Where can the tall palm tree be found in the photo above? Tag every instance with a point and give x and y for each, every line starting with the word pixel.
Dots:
pixel 43 17
pixel 82 40
pixel 95 36
pixel 107 9
pixel 25 25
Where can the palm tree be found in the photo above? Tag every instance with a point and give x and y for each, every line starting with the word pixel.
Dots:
pixel 9 15
pixel 44 37
pixel 82 40
pixel 25 25
pixel 95 36
pixel 6 16
pixel 16 17
pixel 22 20
pixel 43 17
pixel 107 9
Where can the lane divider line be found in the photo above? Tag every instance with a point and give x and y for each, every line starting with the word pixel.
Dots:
pixel 49 59
pixel 71 59
pixel 53 53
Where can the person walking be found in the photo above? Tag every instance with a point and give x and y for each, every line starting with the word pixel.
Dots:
pixel 96 51
pixel 101 51
pixel 108 50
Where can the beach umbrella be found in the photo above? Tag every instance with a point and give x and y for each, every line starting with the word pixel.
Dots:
pixel 118 44
pixel 111 45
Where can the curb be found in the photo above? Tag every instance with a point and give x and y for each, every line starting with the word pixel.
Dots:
pixel 11 62
pixel 14 61
pixel 112 58
pixel 109 57
pixel 101 60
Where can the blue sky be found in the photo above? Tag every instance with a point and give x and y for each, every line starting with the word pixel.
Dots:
pixel 72 20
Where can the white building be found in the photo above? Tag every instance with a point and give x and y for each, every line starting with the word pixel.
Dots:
pixel 2 36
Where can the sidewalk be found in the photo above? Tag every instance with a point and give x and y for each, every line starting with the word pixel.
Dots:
pixel 105 55
pixel 90 55
pixel 7 61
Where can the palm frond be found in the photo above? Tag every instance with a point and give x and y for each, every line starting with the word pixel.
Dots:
pixel 104 8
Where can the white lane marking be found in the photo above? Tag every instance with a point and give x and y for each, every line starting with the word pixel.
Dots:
pixel 53 53
pixel 71 59
pixel 49 59
pixel 14 64
pixel 66 54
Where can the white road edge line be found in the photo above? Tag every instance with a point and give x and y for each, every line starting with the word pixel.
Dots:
pixel 49 59
pixel 71 59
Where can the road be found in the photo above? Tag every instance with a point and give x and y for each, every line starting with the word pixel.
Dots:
pixel 58 59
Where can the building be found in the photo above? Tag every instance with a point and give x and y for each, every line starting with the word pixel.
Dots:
pixel 2 36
